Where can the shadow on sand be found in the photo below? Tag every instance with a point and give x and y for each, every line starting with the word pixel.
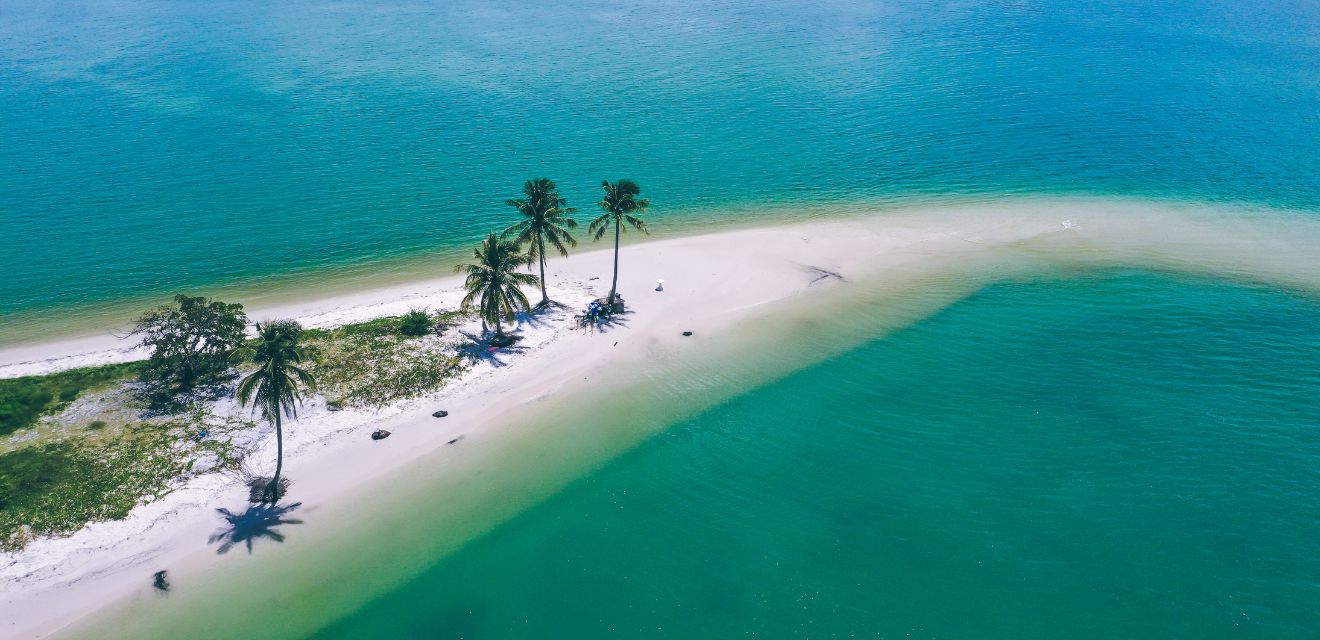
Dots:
pixel 257 521
pixel 480 349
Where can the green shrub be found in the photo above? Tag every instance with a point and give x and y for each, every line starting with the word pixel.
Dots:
pixel 415 323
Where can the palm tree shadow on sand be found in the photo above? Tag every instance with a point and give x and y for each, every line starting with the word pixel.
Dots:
pixel 257 521
pixel 480 349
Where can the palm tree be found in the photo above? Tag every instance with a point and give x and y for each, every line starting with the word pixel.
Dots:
pixel 494 278
pixel 277 384
pixel 545 215
pixel 620 205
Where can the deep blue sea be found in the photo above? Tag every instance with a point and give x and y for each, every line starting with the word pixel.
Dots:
pixel 148 148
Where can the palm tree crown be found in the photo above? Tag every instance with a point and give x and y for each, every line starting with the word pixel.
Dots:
pixel 275 388
pixel 620 206
pixel 545 220
pixel 494 280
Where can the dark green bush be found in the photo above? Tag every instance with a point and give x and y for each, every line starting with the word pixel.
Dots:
pixel 415 323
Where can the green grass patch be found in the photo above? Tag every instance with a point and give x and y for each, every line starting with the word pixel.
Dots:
pixel 58 487
pixel 373 363
pixel 55 488
pixel 24 400
pixel 412 324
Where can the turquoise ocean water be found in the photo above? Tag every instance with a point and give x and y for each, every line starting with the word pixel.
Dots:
pixel 1120 456
pixel 228 147
pixel 1083 455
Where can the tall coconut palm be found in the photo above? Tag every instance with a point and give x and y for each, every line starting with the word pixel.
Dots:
pixel 545 218
pixel 494 279
pixel 277 385
pixel 620 205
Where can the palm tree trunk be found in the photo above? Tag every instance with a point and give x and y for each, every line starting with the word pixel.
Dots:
pixel 279 459
pixel 540 243
pixel 614 286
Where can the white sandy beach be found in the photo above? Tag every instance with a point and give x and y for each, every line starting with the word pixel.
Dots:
pixel 711 283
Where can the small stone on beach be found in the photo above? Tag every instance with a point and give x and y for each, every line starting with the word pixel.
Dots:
pixel 380 434
pixel 439 414
pixel 687 333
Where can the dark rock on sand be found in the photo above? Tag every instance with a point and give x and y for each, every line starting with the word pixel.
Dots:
pixel 439 414
pixel 380 434
pixel 687 333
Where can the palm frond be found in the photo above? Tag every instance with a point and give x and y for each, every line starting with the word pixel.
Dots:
pixel 277 384
pixel 599 226
pixel 493 281
pixel 637 224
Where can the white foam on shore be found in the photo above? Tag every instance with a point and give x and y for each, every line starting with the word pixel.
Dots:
pixel 912 260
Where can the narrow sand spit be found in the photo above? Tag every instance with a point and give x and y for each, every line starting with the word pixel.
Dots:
pixel 711 283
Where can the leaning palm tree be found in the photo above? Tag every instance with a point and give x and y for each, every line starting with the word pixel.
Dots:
pixel 545 219
pixel 620 205
pixel 276 386
pixel 494 279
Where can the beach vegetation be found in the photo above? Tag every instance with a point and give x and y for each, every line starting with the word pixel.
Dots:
pixel 620 207
pixel 55 486
pixel 373 363
pixel 494 283
pixel 192 342
pixel 414 324
pixel 545 220
pixel 24 400
pixel 99 459
pixel 276 387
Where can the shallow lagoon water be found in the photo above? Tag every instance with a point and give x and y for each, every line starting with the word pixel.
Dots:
pixel 1121 455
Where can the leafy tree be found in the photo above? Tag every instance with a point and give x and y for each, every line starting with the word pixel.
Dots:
pixel 276 386
pixel 191 340
pixel 545 215
pixel 494 279
pixel 621 206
